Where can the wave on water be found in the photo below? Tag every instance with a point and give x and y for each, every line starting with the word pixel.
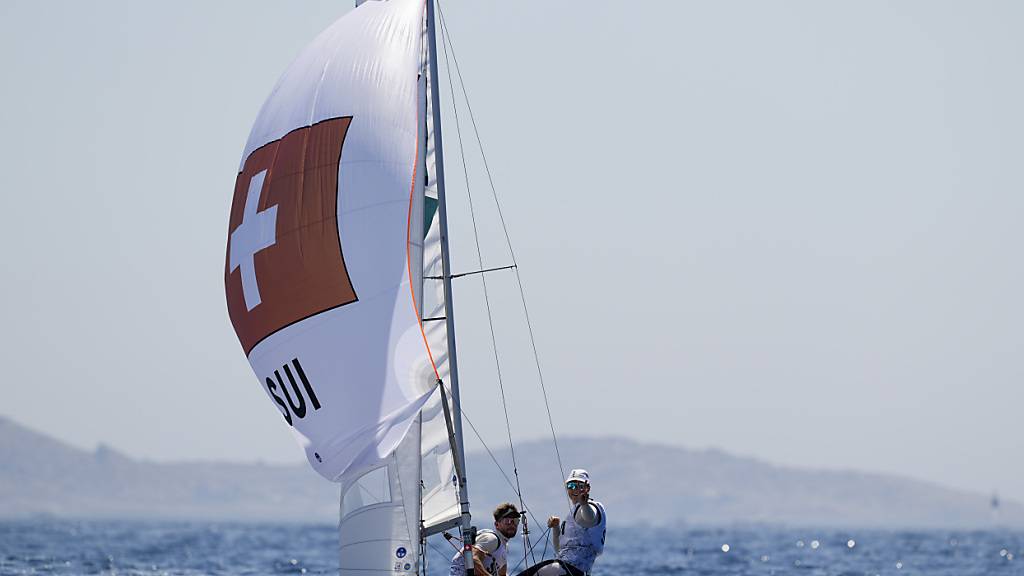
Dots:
pixel 172 548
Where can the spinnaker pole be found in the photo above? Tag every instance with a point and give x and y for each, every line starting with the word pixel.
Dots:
pixel 449 312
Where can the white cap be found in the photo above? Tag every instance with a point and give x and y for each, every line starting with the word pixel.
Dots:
pixel 579 475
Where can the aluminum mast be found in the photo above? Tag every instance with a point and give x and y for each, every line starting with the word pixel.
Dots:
pixel 449 312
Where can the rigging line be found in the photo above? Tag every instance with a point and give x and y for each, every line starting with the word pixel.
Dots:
pixel 482 271
pixel 472 119
pixel 446 42
pixel 491 454
pixel 544 536
pixel 440 553
pixel 532 555
pixel 545 551
pixel 540 376
pixel 501 216
pixel 448 538
pixel 447 47
pixel 461 274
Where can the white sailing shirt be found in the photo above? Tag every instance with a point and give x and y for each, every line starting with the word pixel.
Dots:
pixel 581 546
pixel 495 548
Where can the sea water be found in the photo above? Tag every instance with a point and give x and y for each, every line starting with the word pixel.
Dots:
pixel 153 548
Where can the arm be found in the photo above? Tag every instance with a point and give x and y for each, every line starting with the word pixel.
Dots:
pixel 486 544
pixel 586 515
pixel 478 561
pixel 554 523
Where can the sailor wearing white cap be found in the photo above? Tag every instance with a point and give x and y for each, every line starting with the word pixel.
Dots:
pixel 579 539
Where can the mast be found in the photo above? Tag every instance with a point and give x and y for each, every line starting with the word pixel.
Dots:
pixel 449 312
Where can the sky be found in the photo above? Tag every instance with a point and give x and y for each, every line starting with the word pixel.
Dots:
pixel 786 230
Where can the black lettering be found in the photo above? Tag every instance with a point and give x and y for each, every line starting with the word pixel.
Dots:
pixel 305 383
pixel 292 407
pixel 284 409
pixel 299 410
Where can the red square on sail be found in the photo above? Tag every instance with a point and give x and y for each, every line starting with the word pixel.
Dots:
pixel 284 258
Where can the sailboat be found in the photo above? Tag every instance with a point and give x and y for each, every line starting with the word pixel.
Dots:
pixel 338 281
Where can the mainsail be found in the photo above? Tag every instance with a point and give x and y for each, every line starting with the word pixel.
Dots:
pixel 333 261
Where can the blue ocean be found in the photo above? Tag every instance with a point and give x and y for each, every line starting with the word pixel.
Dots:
pixel 108 547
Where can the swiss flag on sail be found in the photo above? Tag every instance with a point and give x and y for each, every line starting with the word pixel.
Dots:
pixel 284 258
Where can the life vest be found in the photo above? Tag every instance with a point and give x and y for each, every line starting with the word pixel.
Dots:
pixel 493 561
pixel 580 546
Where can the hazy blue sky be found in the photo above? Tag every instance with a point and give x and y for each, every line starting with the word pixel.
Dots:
pixel 784 229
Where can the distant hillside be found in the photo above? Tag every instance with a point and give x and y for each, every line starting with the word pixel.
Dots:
pixel 639 483
pixel 643 483
pixel 42 476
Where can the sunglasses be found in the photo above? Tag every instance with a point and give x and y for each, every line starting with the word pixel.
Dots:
pixel 574 485
pixel 509 520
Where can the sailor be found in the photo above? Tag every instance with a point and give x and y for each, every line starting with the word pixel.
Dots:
pixel 579 539
pixel 491 547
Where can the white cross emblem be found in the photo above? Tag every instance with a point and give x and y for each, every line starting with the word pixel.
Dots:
pixel 257 231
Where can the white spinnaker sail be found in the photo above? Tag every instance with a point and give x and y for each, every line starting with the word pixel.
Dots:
pixel 333 238
pixel 318 270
